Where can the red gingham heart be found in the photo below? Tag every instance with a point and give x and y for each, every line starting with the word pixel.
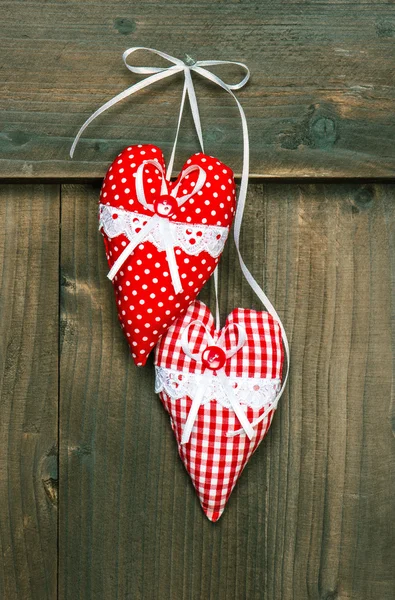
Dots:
pixel 213 460
pixel 146 299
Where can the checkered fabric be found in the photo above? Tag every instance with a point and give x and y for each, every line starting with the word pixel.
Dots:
pixel 213 460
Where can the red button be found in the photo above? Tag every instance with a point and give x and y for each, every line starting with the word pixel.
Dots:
pixel 213 358
pixel 165 206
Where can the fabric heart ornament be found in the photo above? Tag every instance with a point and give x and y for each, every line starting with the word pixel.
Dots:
pixel 220 389
pixel 163 239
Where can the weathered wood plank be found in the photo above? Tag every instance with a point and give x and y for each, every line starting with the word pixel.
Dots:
pixel 29 258
pixel 321 101
pixel 312 515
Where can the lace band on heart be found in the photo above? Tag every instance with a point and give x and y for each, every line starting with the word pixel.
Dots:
pixel 252 392
pixel 192 239
pixel 166 234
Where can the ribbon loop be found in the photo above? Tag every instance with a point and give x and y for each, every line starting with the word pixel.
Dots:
pixel 242 338
pixel 201 180
pixel 140 186
pixel 184 339
pixel 149 70
pixel 211 63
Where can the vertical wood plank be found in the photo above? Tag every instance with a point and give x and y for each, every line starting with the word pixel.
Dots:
pixel 311 515
pixel 29 257
pixel 331 477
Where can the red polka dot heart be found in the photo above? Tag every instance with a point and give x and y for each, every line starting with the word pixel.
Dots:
pixel 163 239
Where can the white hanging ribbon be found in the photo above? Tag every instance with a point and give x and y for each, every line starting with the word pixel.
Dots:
pixel 167 229
pixel 247 274
pixel 158 73
pixel 205 378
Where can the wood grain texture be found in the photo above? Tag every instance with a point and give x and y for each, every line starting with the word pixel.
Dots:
pixel 321 101
pixel 29 259
pixel 312 515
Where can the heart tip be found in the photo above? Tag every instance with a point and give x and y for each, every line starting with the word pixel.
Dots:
pixel 140 362
pixel 213 515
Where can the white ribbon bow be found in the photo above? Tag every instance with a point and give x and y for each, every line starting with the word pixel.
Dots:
pixel 158 73
pixel 167 229
pixel 203 380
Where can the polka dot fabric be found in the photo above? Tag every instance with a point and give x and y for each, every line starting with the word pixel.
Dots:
pixel 146 301
pixel 213 460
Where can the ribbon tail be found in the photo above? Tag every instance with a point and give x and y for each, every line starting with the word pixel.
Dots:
pixel 196 402
pixel 175 277
pixel 128 92
pixel 268 409
pixel 173 152
pixel 169 239
pixel 131 246
pixel 194 106
pixel 247 427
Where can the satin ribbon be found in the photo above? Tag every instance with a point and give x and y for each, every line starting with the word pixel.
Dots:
pixel 158 73
pixel 167 229
pixel 246 272
pixel 205 378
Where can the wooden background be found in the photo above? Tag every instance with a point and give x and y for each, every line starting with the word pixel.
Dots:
pixel 321 101
pixel 94 501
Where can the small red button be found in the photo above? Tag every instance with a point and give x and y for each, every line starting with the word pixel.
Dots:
pixel 213 358
pixel 165 206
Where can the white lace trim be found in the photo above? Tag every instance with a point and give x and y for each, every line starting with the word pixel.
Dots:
pixel 252 392
pixel 193 239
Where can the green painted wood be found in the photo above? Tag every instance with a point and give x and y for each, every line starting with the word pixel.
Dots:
pixel 312 515
pixel 29 260
pixel 321 101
